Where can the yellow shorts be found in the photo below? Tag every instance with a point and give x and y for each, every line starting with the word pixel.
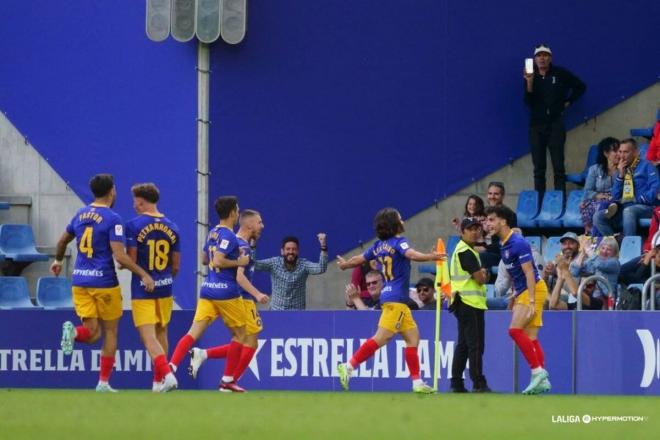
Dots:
pixel 232 311
pixel 97 302
pixel 152 311
pixel 396 317
pixel 540 294
pixel 253 324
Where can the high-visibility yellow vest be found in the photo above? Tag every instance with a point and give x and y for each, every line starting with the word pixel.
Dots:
pixel 472 293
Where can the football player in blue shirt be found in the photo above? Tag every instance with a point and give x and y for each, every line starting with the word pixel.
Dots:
pixel 99 233
pixel 392 254
pixel 219 295
pixel 251 226
pixel 530 292
pixel 153 242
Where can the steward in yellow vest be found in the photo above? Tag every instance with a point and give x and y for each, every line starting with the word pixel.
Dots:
pixel 468 304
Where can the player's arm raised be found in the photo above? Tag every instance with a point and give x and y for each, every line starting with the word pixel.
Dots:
pixel 249 288
pixel 414 255
pixel 60 249
pixel 352 262
pixel 119 253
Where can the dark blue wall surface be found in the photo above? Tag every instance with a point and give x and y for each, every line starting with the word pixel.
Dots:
pixel 82 81
pixel 323 115
pixel 327 113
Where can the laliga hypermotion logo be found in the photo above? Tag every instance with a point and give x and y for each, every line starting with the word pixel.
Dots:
pixel 651 349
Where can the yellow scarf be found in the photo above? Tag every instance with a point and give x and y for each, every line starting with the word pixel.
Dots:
pixel 628 195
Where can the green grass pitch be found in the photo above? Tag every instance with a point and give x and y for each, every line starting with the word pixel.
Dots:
pixel 264 415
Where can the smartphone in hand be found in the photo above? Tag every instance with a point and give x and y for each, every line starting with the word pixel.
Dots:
pixel 529 65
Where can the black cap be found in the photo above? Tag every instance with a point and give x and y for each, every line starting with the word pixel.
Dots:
pixel 469 222
pixel 425 282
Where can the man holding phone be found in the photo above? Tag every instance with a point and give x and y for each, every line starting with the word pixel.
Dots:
pixel 549 90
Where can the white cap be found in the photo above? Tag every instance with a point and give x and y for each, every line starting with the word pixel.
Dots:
pixel 542 48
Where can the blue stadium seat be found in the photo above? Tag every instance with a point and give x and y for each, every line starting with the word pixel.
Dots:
pixel 528 208
pixel 631 247
pixel 54 292
pixel 646 132
pixel 14 293
pixel 551 249
pixel 581 177
pixel 644 222
pixel 490 290
pixel 428 268
pixel 17 244
pixel 551 210
pixel 4 205
pixel 643 149
pixel 535 241
pixel 452 242
pixel 572 217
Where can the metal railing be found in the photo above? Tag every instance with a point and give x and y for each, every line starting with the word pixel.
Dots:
pixel 649 284
pixel 589 279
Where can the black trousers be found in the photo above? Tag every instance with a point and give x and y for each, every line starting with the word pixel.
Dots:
pixel 549 136
pixel 471 343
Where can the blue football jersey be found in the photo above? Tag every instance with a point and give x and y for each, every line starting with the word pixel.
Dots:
pixel 515 251
pixel 94 227
pixel 395 267
pixel 156 239
pixel 249 269
pixel 221 283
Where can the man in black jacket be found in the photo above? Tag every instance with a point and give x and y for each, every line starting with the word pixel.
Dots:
pixel 548 92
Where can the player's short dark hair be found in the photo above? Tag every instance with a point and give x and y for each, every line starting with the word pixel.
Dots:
pixel 225 205
pixel 247 213
pixel 101 185
pixel 146 191
pixel 503 212
pixel 630 141
pixel 387 223
pixel 290 239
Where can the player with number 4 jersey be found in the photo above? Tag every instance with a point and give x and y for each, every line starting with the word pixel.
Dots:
pixel 153 242
pixel 392 254
pixel 99 233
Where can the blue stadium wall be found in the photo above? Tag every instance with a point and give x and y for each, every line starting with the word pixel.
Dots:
pixel 323 115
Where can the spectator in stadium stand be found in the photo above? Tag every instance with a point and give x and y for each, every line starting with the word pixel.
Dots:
pixel 503 282
pixel 474 207
pixel 426 293
pixel 566 282
pixel 653 154
pixel 600 178
pixel 374 283
pixel 604 262
pixel 358 279
pixel 638 270
pixel 489 252
pixel 634 193
pixel 288 273
pixel 549 91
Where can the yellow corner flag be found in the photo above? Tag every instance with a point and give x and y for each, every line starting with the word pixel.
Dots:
pixel 442 281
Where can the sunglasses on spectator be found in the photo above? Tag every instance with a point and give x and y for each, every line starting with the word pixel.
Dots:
pixel 372 283
pixel 541 45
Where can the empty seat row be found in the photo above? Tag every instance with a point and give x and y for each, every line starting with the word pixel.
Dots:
pixel 17 244
pixel 52 292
